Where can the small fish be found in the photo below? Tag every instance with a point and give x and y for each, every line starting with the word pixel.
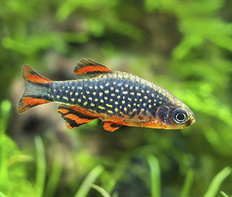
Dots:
pixel 117 98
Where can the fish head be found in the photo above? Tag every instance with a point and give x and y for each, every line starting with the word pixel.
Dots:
pixel 174 115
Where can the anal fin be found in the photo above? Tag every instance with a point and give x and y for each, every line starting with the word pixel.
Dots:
pixel 109 126
pixel 73 117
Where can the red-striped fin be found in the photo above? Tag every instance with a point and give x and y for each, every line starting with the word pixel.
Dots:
pixel 109 126
pixel 31 75
pixel 27 103
pixel 73 117
pixel 89 66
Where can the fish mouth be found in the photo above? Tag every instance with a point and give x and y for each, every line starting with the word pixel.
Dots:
pixel 192 120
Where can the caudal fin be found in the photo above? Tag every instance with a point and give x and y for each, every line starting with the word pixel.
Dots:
pixel 36 90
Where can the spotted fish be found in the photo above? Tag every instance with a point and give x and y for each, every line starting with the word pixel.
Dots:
pixel 117 98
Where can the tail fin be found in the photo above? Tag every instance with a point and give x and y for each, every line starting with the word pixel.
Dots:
pixel 36 90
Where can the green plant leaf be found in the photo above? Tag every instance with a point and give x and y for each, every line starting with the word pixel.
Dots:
pixel 40 167
pixel 224 194
pixel 89 180
pixel 56 170
pixel 100 190
pixel 216 182
pixel 187 184
pixel 2 195
pixel 155 175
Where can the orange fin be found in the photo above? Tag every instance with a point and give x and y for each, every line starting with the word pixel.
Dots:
pixel 91 67
pixel 109 126
pixel 36 90
pixel 31 75
pixel 26 103
pixel 72 117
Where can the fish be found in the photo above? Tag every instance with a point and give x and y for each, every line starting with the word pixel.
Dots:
pixel 116 98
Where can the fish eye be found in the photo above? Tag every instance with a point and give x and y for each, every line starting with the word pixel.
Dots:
pixel 180 116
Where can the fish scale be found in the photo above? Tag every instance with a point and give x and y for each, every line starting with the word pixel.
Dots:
pixel 104 96
pixel 117 98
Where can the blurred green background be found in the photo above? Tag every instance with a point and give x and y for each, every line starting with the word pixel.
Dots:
pixel 182 45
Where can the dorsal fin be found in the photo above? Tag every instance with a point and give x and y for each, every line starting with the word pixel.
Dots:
pixel 90 67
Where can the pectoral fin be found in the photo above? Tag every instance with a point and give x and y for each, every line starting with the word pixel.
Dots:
pixel 109 126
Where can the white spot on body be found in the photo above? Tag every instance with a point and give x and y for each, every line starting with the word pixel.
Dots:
pixel 108 105
pixel 65 98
